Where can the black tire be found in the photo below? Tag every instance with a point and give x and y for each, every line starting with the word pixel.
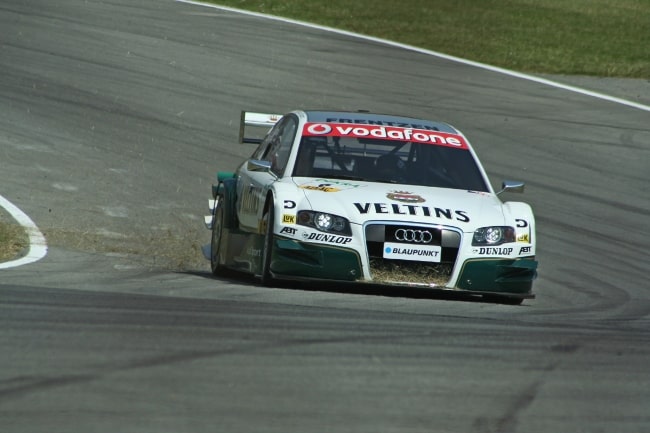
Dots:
pixel 267 251
pixel 216 240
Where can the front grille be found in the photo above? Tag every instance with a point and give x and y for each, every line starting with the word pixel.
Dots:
pixel 407 271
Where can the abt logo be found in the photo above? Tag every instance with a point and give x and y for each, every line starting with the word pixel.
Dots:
pixel 524 250
pixel 288 231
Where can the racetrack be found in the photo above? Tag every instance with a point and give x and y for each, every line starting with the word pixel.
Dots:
pixel 117 114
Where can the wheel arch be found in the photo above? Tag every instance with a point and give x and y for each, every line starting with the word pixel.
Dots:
pixel 270 197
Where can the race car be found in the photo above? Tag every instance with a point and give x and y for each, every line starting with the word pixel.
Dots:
pixel 369 198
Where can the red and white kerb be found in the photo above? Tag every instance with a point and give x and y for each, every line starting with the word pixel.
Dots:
pixel 394 133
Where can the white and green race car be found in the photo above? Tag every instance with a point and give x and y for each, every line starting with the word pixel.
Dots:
pixel 369 198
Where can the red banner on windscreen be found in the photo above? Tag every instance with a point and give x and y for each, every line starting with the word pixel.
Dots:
pixel 386 133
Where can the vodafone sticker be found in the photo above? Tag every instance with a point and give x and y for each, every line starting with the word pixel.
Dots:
pixel 386 132
pixel 317 129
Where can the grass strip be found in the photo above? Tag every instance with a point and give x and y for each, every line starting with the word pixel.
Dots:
pixel 606 38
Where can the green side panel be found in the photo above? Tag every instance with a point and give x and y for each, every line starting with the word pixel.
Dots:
pixel 498 275
pixel 293 258
pixel 246 251
pixel 227 188
pixel 223 175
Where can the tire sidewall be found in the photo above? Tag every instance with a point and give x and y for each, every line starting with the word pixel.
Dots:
pixel 215 241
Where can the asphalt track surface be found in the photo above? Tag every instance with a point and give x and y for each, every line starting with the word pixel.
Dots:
pixel 115 116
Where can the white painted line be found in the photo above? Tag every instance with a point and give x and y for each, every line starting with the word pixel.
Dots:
pixel 433 53
pixel 37 243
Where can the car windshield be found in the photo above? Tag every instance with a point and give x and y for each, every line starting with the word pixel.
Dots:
pixel 390 161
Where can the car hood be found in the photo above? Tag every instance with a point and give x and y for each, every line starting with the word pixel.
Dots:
pixel 365 201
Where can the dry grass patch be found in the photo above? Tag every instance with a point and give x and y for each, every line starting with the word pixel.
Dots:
pixel 13 239
pixel 391 271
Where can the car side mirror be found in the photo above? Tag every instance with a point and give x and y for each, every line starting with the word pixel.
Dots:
pixel 258 165
pixel 511 186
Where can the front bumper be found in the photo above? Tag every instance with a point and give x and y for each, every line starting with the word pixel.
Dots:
pixel 511 276
pixel 293 258
pixel 302 260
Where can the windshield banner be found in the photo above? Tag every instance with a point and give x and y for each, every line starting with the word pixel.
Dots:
pixel 394 133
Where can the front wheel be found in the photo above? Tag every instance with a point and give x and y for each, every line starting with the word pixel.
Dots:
pixel 267 251
pixel 216 240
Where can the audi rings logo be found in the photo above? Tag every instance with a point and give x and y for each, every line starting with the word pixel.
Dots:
pixel 415 236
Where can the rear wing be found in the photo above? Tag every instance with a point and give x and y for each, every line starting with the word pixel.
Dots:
pixel 261 120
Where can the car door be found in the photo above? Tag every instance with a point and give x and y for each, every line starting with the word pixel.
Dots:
pixel 256 175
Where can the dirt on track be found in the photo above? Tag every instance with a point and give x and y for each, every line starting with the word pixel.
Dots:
pixel 176 249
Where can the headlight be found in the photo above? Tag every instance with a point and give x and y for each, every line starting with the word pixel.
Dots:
pixel 325 222
pixel 495 235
